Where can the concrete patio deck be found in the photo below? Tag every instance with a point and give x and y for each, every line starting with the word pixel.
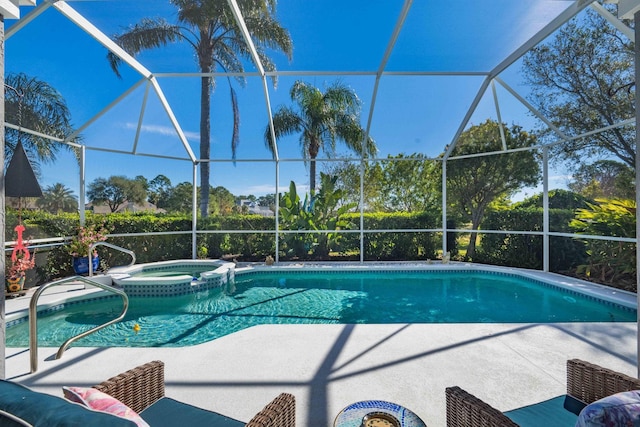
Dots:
pixel 328 367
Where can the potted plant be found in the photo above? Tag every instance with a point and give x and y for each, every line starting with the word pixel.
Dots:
pixel 17 270
pixel 79 247
pixel 20 262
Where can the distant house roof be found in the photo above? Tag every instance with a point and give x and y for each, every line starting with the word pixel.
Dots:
pixel 254 208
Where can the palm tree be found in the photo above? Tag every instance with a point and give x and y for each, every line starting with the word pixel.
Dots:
pixel 35 105
pixel 56 198
pixel 322 119
pixel 211 30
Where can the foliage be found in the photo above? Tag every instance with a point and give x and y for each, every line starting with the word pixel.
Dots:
pixel 115 191
pixel 20 266
pixel 211 30
pixel 58 198
pixel 328 212
pixel 604 179
pixel 396 246
pixel 38 106
pixel 158 190
pixel 179 199
pixel 321 119
pixel 558 199
pixel 242 246
pixel 221 201
pixel 85 237
pixel 402 183
pixel 410 184
pixel 348 173
pixel 473 183
pixel 609 261
pixel 526 251
pixel 581 80
pixel 320 212
pixel 607 217
pixel 174 241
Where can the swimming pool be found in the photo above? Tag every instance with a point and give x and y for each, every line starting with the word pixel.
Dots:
pixel 274 296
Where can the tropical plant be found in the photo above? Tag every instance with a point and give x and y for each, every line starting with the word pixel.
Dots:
pixel 35 105
pixel 210 28
pixel 322 118
pixel 294 215
pixel 57 198
pixel 323 212
pixel 609 261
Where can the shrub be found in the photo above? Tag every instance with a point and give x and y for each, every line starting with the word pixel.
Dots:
pixel 609 261
pixel 525 251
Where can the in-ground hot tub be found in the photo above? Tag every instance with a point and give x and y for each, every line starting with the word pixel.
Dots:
pixel 172 277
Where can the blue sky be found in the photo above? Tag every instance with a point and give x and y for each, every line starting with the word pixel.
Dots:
pixel 413 114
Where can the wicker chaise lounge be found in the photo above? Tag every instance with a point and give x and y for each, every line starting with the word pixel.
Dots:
pixel 142 389
pixel 586 383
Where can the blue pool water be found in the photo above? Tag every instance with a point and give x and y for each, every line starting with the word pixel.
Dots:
pixel 327 297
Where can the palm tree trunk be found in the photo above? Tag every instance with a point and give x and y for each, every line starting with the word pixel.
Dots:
pixel 312 175
pixel 205 143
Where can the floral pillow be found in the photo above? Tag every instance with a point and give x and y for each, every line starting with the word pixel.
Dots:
pixel 102 402
pixel 621 409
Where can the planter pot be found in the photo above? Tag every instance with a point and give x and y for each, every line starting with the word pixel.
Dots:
pixel 81 264
pixel 15 284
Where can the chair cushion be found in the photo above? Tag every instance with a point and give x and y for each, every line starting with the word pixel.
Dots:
pixel 620 409
pixel 95 399
pixel 41 409
pixel 170 412
pixel 549 413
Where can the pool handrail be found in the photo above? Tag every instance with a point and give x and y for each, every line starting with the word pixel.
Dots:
pixel 33 316
pixel 112 246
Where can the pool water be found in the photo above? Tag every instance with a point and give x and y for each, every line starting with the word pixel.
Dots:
pixel 193 271
pixel 311 298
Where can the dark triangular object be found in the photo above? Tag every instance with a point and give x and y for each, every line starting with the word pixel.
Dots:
pixel 20 180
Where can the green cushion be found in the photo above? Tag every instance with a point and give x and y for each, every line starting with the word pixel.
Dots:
pixel 550 413
pixel 170 412
pixel 41 409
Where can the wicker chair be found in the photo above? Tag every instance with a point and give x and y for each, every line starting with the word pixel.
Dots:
pixel 141 387
pixel 586 382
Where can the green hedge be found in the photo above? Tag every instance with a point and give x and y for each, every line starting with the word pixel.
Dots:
pixel 249 246
pixel 525 251
pixel 396 246
pixel 242 246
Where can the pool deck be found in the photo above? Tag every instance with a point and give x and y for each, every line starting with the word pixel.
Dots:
pixel 327 367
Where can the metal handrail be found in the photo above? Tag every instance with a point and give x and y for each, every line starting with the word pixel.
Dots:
pixel 33 316
pixel 94 245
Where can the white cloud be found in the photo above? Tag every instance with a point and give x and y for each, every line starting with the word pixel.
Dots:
pixel 162 130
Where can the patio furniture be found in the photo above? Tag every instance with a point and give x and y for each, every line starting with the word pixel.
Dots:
pixel 142 389
pixel 377 412
pixel 586 383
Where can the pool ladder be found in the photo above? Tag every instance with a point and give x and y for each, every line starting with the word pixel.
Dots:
pixel 109 245
pixel 33 315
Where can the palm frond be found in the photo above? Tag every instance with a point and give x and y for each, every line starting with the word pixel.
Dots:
pixel 147 34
